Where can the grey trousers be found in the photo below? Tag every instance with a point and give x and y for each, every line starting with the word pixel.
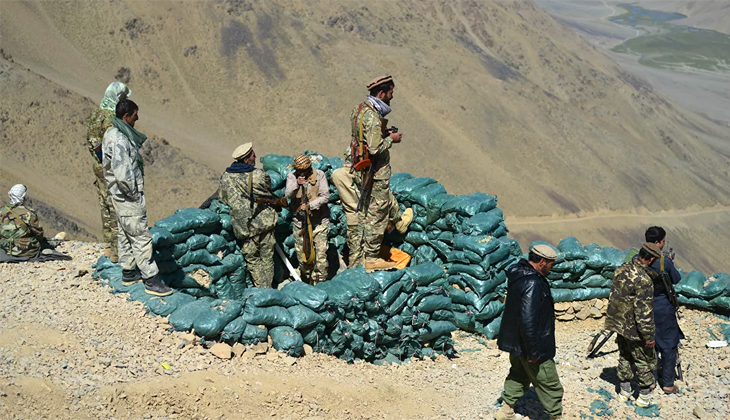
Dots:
pixel 135 240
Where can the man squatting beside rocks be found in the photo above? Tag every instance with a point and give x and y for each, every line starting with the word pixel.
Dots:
pixel 314 183
pixel 123 170
pixel 97 123
pixel 527 333
pixel 630 315
pixel 242 188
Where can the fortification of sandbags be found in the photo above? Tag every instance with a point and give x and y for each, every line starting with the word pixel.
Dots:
pixel 456 279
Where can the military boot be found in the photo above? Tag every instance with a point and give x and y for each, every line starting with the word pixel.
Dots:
pixel 155 286
pixel 405 220
pixel 507 412
pixel 130 277
pixel 377 264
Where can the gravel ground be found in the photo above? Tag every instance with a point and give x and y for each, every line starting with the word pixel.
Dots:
pixel 71 350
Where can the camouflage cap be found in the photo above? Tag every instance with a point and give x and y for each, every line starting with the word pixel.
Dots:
pixel 652 248
pixel 242 151
pixel 544 251
pixel 302 161
pixel 379 81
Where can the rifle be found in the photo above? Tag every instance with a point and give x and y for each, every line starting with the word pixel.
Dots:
pixel 307 244
pixel 667 281
pixel 367 182
pixel 273 202
pixel 595 345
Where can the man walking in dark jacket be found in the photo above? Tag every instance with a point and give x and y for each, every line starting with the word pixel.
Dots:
pixel 528 334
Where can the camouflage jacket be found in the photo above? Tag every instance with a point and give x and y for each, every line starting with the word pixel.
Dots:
pixel 374 135
pixel 630 312
pixel 121 165
pixel 20 232
pixel 248 219
pixel 98 122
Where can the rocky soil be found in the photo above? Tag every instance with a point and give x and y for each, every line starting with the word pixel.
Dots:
pixel 71 350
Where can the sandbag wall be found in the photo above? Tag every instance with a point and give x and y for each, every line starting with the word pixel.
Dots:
pixel 711 293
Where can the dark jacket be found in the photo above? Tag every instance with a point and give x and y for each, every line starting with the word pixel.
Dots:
pixel 528 322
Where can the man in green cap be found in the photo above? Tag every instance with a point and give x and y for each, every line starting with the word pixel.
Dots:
pixel 97 123
pixel 123 169
pixel 247 191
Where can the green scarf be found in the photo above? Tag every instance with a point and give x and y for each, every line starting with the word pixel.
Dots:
pixel 134 136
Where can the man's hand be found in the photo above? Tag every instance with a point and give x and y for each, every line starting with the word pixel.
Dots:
pixel 650 344
pixel 303 207
pixel 301 180
pixel 396 137
pixel 533 360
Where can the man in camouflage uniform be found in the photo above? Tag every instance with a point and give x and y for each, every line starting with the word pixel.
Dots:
pixel 314 182
pixel 98 122
pixel 369 130
pixel 21 234
pixel 123 170
pixel 247 191
pixel 630 315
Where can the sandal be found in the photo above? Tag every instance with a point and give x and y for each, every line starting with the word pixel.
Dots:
pixel 672 390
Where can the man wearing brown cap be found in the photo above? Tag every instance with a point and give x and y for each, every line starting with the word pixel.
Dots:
pixel 630 315
pixel 372 140
pixel 242 187
pixel 308 193
pixel 527 332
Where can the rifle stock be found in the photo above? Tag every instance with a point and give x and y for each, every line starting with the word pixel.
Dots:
pixel 308 245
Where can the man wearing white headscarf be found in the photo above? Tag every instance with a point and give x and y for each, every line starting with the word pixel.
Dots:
pixel 20 232
pixel 98 122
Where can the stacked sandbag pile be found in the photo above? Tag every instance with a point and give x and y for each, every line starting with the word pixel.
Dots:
pixel 467 235
pixel 713 293
pixel 582 273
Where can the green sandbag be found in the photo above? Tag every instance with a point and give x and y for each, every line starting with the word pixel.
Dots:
pixel 435 329
pixel 281 164
pixel 425 254
pixel 424 195
pixel 198 292
pixel 336 163
pixel 491 310
pixel 483 223
pixel 473 270
pixel 443 315
pixel 572 284
pixel 182 281
pixel 596 280
pixel 495 258
pixel 394 326
pixel 465 321
pixel 305 294
pixel 233 331
pixel 473 257
pixel 288 340
pixel 211 322
pixel 574 266
pixel 161 237
pixel 407 186
pixel 216 243
pixel 571 295
pixel 433 303
pixel 718 284
pixel 501 231
pixel 178 250
pixel 572 249
pixel 407 248
pixel 312 335
pixel 457 257
pixel 254 334
pixel 268 297
pixel 397 306
pixel 356 280
pixel 390 294
pixel 219 208
pixel 721 303
pixel 226 222
pixel 696 302
pixel 399 177
pixel 433 211
pixel 483 287
pixel 184 316
pixel 691 285
pixel 271 316
pixel 137 293
pixel 181 237
pixel 197 241
pixel 492 329
pixel 416 238
pixel 277 181
pixel 164 306
pixel 458 296
pixel 199 256
pixel 215 272
pixel 225 290
pixel 513 245
pixel 303 317
pixel 607 258
pixel 481 244
pixel 469 205
pixel 387 278
pixel 425 274
pixel 167 266
pixel 442 345
pixel 189 218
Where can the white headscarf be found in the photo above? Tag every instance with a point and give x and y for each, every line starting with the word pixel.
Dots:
pixel 114 93
pixel 17 194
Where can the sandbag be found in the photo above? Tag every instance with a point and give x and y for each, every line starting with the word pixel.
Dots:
pixel 181 237
pixel 178 250
pixel 197 241
pixel 280 164
pixel 161 237
pixel 399 177
pixel 387 278
pixel 469 205
pixel 303 317
pixel 210 322
pixel 572 249
pixel 416 238
pixel 305 294
pixel 691 285
pixel 696 302
pixel 482 244
pixel 491 310
pixel 433 211
pixel 483 223
pixel 253 334
pixel 483 287
pixel 217 243
pixel 492 329
pixel 405 187
pixel 721 303
pixel 425 254
pixel 716 285
pixel 184 316
pixel 312 335
pixel 424 195
pixel 425 274
pixel 434 329
pixel 200 256
pixel 189 218
pixel 233 331
pixel 571 295
pixel 288 340
pixel 164 306
pixel 433 303
pixel 271 316
pixel 268 297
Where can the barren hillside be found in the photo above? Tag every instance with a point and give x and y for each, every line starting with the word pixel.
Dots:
pixel 491 96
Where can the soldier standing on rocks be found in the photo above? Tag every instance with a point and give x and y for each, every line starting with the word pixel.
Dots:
pixel 527 332
pixel 630 315
pixel 314 183
pixel 98 122
pixel 247 191
pixel 372 139
pixel 123 170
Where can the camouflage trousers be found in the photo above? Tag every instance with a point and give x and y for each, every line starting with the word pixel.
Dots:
pixel 636 353
pixel 109 228
pixel 375 219
pixel 258 252
pixel 316 272
pixel 134 239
